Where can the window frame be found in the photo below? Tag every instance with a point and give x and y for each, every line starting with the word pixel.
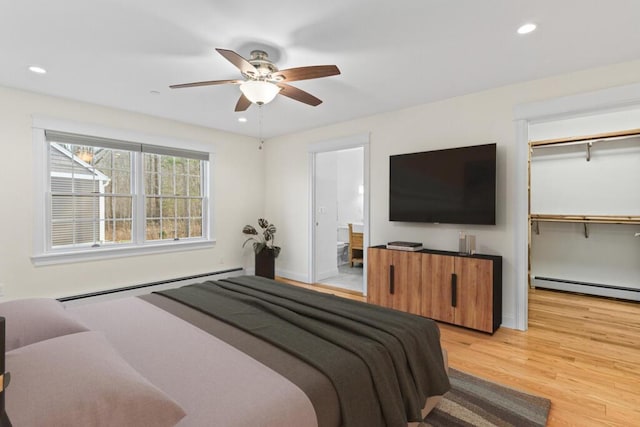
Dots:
pixel 44 254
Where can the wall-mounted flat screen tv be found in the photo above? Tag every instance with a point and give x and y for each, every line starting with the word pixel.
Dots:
pixel 454 186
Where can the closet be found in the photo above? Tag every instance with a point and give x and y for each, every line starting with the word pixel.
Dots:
pixel 584 205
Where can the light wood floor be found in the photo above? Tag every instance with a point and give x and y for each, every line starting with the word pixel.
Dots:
pixel 581 352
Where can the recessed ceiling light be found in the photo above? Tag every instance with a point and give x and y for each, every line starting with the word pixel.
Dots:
pixel 242 119
pixel 526 28
pixel 37 70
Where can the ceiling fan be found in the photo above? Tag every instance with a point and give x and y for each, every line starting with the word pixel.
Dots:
pixel 263 80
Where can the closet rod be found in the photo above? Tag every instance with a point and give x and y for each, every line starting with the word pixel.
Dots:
pixel 610 136
pixel 594 219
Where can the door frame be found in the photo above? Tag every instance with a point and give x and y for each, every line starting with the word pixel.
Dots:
pixel 339 144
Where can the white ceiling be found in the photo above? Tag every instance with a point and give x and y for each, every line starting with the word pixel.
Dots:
pixel 392 54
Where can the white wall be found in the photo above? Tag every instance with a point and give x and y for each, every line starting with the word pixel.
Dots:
pixel 563 182
pixel 350 178
pixel 326 214
pixel 479 118
pixel 238 191
pixel 587 124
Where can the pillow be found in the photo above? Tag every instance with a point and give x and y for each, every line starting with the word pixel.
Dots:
pixel 80 380
pixel 36 319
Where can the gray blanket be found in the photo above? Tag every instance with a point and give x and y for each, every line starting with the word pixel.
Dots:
pixel 383 363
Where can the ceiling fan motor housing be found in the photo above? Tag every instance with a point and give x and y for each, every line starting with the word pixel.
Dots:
pixel 260 60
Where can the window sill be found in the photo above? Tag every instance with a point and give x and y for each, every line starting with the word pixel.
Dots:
pixel 117 252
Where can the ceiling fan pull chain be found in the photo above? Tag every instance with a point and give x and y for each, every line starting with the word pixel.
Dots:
pixel 260 127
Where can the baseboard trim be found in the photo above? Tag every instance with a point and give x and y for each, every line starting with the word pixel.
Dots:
pixel 508 322
pixel 599 289
pixel 292 275
pixel 152 286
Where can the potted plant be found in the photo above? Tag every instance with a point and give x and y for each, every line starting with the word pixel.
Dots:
pixel 264 247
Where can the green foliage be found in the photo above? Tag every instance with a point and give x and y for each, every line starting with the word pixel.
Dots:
pixel 262 240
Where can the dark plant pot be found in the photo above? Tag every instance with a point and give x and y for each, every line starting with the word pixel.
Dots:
pixel 266 264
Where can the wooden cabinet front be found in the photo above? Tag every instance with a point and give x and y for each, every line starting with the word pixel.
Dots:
pixel 458 290
pixel 378 267
pixel 394 279
pixel 474 308
pixel 437 271
pixel 462 290
pixel 406 281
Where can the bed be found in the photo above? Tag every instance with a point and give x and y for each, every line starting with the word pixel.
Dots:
pixel 234 352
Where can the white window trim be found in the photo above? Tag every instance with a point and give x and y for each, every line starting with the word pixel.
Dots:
pixel 84 176
pixel 41 256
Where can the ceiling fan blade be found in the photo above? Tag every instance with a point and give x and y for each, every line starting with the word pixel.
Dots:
pixel 237 60
pixel 298 94
pixel 306 73
pixel 208 83
pixel 243 103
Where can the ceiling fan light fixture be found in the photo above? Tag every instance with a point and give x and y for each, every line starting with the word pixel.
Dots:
pixel 259 92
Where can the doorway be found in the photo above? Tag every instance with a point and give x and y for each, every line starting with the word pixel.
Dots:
pixel 338 213
pixel 537 113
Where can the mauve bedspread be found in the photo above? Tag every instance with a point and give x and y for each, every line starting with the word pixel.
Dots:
pixel 216 384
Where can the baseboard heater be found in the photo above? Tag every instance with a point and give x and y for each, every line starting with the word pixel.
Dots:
pixel 600 289
pixel 179 281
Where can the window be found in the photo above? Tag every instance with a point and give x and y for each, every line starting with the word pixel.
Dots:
pixel 173 197
pixel 91 195
pixel 107 195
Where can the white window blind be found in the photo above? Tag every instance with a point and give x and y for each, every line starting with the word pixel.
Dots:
pixel 75 139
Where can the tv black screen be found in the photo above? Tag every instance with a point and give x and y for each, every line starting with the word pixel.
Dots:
pixel 455 186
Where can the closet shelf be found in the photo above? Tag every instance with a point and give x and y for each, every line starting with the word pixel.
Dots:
pixel 587 219
pixel 630 133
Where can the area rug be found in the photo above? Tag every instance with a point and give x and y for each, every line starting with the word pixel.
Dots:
pixel 476 402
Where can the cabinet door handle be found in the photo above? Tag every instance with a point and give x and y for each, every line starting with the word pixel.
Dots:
pixel 454 289
pixel 392 285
